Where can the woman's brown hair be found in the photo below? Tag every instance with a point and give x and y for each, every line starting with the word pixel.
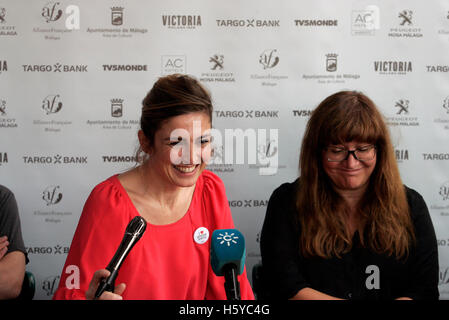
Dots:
pixel 171 96
pixel 384 213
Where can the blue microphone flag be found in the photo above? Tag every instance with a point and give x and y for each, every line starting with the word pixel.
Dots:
pixel 227 247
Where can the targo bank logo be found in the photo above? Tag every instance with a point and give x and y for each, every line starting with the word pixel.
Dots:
pixel 57 67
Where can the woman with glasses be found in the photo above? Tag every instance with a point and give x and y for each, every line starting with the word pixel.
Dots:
pixel 348 228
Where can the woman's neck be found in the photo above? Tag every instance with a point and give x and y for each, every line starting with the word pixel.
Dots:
pixel 159 190
pixel 352 197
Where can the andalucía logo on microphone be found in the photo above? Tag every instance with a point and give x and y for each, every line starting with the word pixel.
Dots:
pixel 227 239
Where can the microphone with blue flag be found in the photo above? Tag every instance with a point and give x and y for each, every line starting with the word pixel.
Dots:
pixel 227 257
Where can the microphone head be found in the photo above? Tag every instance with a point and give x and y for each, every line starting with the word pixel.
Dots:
pixel 227 247
pixel 136 227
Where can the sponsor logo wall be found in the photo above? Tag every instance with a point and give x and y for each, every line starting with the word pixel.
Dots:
pixel 73 75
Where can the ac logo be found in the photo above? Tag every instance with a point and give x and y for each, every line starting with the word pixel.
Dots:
pixel 173 64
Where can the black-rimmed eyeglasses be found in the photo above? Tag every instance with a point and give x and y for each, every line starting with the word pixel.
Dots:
pixel 338 154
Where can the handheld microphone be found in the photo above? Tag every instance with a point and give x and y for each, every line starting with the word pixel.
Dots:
pixel 134 231
pixel 227 257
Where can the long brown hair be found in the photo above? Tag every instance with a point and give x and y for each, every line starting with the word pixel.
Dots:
pixel 384 213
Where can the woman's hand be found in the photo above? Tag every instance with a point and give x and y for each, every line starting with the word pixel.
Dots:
pixel 93 285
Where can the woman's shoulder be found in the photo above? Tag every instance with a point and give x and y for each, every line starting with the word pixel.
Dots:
pixel 416 203
pixel 106 200
pixel 106 186
pixel 211 181
pixel 286 191
pixel 109 190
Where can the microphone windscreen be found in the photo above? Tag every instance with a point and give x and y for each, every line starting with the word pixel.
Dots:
pixel 136 226
pixel 227 247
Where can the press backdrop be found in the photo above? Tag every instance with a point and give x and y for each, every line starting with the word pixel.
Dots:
pixel 73 75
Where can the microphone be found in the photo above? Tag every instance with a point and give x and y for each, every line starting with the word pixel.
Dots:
pixel 134 231
pixel 227 257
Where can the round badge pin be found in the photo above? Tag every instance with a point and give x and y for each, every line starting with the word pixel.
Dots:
pixel 201 235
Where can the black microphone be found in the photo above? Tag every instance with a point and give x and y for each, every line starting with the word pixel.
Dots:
pixel 134 231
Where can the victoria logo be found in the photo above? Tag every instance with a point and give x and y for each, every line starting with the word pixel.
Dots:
pixel 401 154
pixel 51 104
pixel 444 190
pixel 116 108
pixel 393 67
pixel 217 62
pixel 181 21
pixel 117 16
pixel 405 17
pixel 331 62
pixel 269 59
pixel 403 106
pixel 52 195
